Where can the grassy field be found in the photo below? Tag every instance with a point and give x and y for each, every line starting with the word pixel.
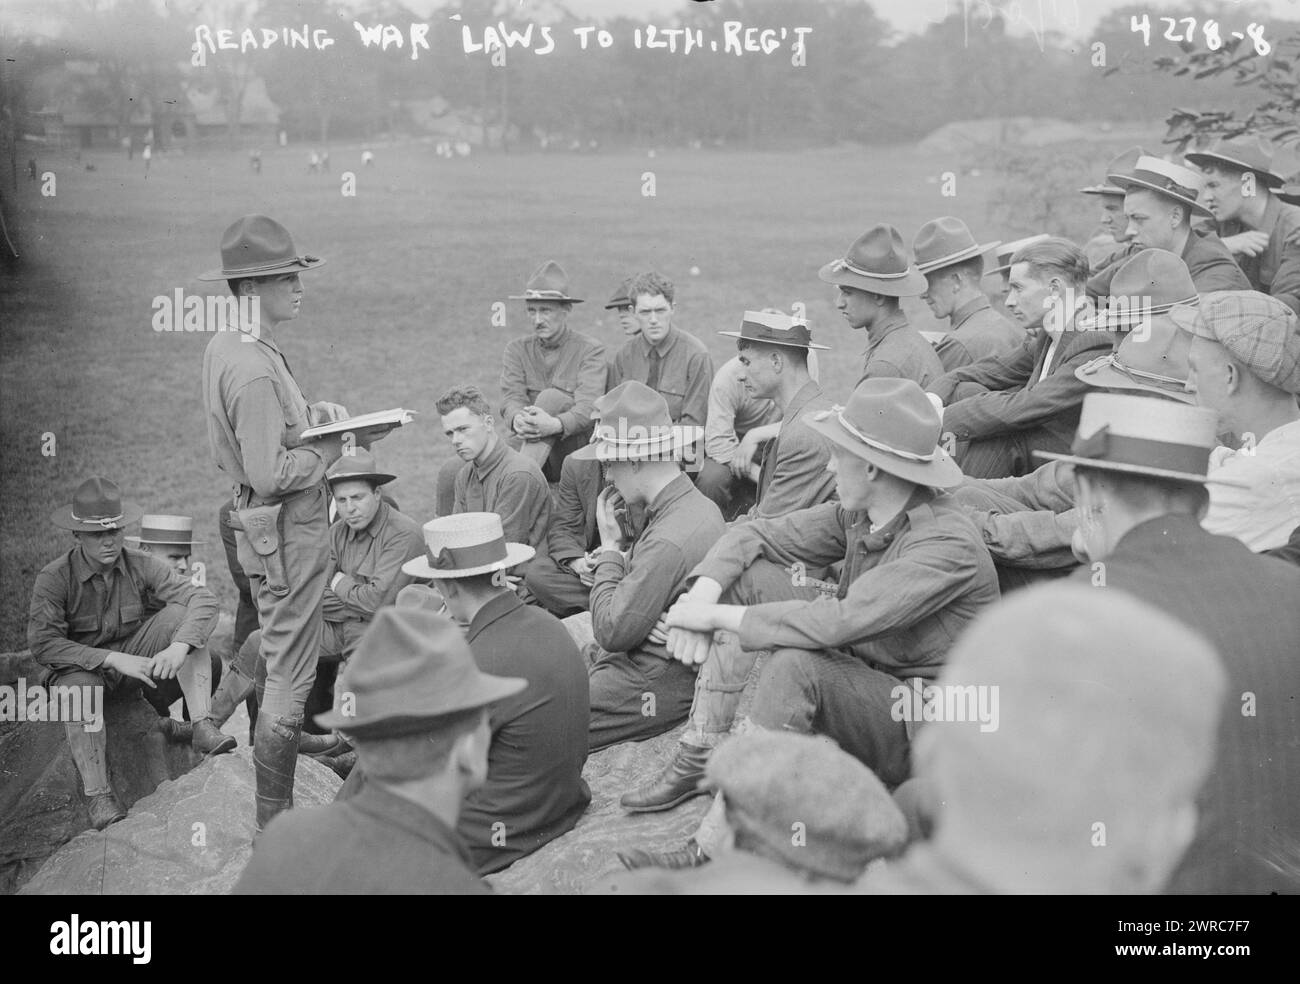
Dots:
pixel 403 309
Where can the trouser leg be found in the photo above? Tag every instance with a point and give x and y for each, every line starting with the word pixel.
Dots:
pixel 1004 456
pixel 635 696
pixel 555 587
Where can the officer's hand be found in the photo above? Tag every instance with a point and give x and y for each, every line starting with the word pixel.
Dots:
pixel 136 667
pixel 168 662
pixel 324 412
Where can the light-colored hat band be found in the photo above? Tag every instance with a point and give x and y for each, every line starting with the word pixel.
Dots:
pixel 844 264
pixel 469 556
pixel 108 522
pixel 1125 313
pixel 544 295
pixel 1139 375
pixel 838 413
pixel 1169 185
pixel 1145 452
pixel 965 253
pixel 232 273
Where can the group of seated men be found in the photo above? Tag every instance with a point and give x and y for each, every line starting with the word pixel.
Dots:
pixel 1128 423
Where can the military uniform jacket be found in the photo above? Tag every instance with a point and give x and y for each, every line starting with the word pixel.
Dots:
pixel 371 563
pixel 575 366
pixel 511 485
pixel 905 592
pixel 978 332
pixel 684 373
pixel 896 350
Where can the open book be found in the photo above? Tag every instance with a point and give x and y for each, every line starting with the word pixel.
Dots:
pixel 380 418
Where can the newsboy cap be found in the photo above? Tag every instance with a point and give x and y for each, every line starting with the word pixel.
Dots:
pixel 1258 330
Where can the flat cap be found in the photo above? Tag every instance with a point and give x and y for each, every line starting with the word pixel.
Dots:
pixel 809 803
pixel 1260 332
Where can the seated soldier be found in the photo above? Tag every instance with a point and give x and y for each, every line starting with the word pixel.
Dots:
pixel 637 691
pixel 1008 407
pixel 102 616
pixel 774 350
pixel 621 305
pixel 914 575
pixel 1112 228
pixel 806 818
pixel 171 539
pixel 493 476
pixel 729 475
pixel 872 279
pixel 953 265
pixel 549 380
pixel 1113 734
pixel 1141 470
pixel 534 790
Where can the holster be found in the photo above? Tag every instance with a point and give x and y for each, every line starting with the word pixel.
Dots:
pixel 261 525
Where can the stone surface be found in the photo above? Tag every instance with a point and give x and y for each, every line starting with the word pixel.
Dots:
pixel 191 836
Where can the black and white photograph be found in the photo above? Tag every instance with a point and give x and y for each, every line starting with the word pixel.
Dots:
pixel 670 447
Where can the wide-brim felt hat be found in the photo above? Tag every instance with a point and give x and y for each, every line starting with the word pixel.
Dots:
pixel 549 282
pixel 1151 362
pixel 1118 165
pixel 945 241
pixel 1290 192
pixel 1239 155
pixel 1172 181
pixel 635 425
pixel 620 298
pixel 773 328
pixel 412 667
pixel 258 246
pixel 878 263
pixel 892 424
pixel 1136 435
pixel 97 505
pixel 165 531
pixel 357 467
pixel 1008 250
pixel 1151 282
pixel 466 544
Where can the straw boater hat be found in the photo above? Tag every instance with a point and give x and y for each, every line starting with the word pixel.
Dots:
pixel 1122 164
pixel 465 544
pixel 1157 278
pixel 620 298
pixel 1173 181
pixel 877 262
pixel 96 506
pixel 1153 362
pixel 1010 249
pixel 772 328
pixel 635 425
pixel 891 424
pixel 548 283
pixel 1139 436
pixel 411 668
pixel 258 246
pixel 1240 155
pixel 357 467
pixel 166 531
pixel 945 241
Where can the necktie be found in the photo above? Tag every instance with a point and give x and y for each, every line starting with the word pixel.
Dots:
pixel 652 379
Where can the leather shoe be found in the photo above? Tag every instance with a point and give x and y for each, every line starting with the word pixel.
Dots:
pixel 176 732
pixel 323 745
pixel 208 739
pixel 679 782
pixel 342 764
pixel 105 809
pixel 689 856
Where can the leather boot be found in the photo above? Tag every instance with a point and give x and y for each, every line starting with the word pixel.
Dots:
pixel 176 732
pixel 207 735
pixel 105 809
pixel 689 856
pixel 323 745
pixel 342 764
pixel 679 781
pixel 275 757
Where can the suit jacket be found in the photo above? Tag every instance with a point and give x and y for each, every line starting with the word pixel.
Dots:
pixel 998 396
pixel 1248 607
pixel 534 790
pixel 573 520
pixel 794 474
pixel 1275 271
pixel 1210 263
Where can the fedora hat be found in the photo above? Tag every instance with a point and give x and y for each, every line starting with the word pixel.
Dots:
pixel 1154 362
pixel 1173 181
pixel 620 298
pixel 96 506
pixel 465 544
pixel 357 467
pixel 945 241
pixel 774 328
pixel 166 531
pixel 411 668
pixel 891 424
pixel 635 426
pixel 1240 155
pixel 1138 436
pixel 258 246
pixel 1010 249
pixel 877 262
pixel 1122 164
pixel 549 282
pixel 1151 282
